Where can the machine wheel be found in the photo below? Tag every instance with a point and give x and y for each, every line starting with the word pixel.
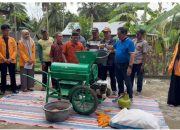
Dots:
pixel 84 100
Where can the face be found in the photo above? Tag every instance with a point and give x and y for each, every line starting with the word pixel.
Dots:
pixel 139 36
pixel 26 35
pixel 59 38
pixel 121 36
pixel 45 35
pixel 5 32
pixel 95 34
pixel 75 39
pixel 107 34
pixel 79 31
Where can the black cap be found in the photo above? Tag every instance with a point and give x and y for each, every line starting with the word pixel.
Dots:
pixel 122 30
pixel 5 26
pixel 95 30
pixel 141 31
pixel 75 33
pixel 43 30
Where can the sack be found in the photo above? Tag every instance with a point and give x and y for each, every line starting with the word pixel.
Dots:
pixel 134 119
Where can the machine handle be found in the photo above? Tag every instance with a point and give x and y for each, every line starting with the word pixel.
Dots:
pixel 34 79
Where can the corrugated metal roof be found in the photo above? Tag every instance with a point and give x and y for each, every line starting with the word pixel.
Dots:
pixel 100 25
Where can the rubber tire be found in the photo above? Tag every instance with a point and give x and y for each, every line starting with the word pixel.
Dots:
pixel 95 101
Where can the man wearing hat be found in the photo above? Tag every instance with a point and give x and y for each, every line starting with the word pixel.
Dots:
pixel 141 46
pixel 93 43
pixel 71 47
pixel 44 46
pixel 107 43
pixel 81 38
pixel 8 53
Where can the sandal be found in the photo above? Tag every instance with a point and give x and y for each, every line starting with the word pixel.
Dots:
pixel 25 90
pixel 30 89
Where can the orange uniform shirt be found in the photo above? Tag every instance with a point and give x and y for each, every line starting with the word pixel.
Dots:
pixel 23 54
pixel 69 50
pixel 172 63
pixel 12 45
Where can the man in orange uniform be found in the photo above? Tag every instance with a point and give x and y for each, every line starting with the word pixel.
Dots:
pixel 8 53
pixel 71 47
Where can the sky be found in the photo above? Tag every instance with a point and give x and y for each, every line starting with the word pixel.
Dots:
pixel 36 11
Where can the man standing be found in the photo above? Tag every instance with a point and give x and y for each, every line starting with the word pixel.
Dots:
pixel 44 46
pixel 124 59
pixel 141 46
pixel 8 53
pixel 94 42
pixel 56 52
pixel 108 42
pixel 71 47
pixel 81 38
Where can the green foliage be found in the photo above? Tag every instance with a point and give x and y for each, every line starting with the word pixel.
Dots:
pixel 100 12
pixel 163 17
pixel 17 14
pixel 85 24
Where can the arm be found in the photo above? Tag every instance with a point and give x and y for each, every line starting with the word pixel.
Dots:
pixel 34 53
pixel 131 50
pixel 2 57
pixel 22 53
pixel 64 53
pixel 144 54
pixel 51 53
pixel 14 54
pixel 40 50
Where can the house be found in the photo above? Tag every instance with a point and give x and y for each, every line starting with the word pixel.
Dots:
pixel 100 25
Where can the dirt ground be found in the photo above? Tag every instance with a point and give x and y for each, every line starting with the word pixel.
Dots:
pixel 154 88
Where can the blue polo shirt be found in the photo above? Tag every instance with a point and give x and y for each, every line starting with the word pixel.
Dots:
pixel 123 50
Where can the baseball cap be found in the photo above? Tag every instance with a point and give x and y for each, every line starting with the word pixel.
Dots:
pixel 106 29
pixel 43 30
pixel 75 33
pixel 95 30
pixel 142 31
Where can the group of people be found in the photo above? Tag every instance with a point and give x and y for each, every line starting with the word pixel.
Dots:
pixel 126 59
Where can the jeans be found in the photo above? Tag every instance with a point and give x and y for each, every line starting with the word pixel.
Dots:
pixel 137 70
pixel 122 77
pixel 12 72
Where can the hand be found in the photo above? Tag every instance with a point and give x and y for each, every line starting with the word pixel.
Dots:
pixel 101 46
pixel 142 68
pixel 129 71
pixel 5 60
pixel 30 62
pixel 9 60
pixel 109 47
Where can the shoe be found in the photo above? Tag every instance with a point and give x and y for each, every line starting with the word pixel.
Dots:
pixel 138 93
pixel 2 92
pixel 131 99
pixel 25 90
pixel 15 92
pixel 30 89
pixel 43 89
pixel 114 93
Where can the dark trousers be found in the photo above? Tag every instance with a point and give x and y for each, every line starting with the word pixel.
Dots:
pixel 174 90
pixel 45 68
pixel 103 74
pixel 121 76
pixel 137 70
pixel 12 69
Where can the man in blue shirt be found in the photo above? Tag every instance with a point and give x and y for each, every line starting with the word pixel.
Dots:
pixel 124 59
